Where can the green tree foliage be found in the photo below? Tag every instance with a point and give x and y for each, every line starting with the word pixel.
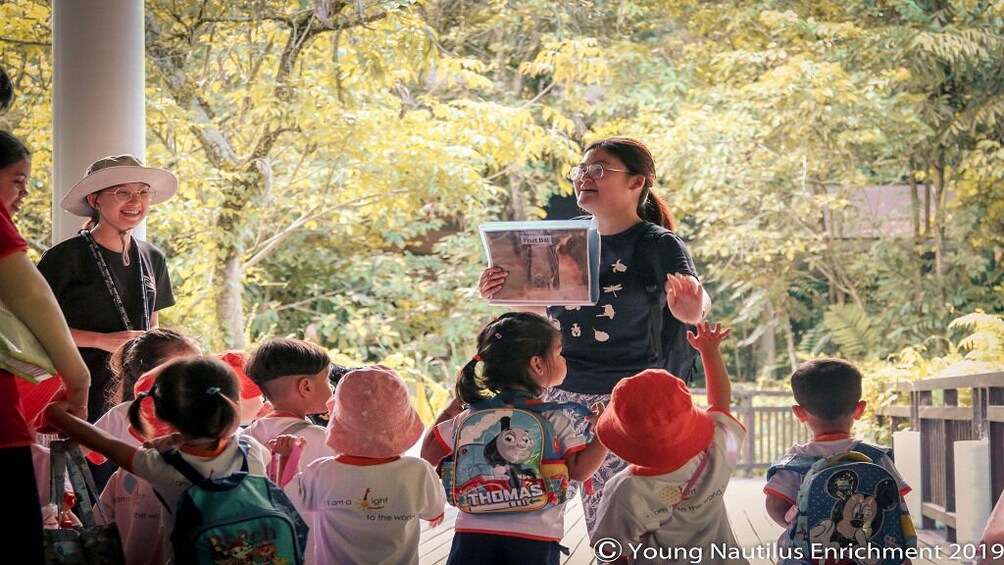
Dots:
pixel 337 156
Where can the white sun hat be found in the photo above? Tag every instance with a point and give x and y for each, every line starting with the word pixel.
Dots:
pixel 113 171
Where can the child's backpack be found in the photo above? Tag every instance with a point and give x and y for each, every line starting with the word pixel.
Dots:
pixel 237 519
pixel 506 457
pixel 848 506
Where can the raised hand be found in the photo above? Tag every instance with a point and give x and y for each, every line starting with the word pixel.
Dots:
pixel 707 338
pixel 684 297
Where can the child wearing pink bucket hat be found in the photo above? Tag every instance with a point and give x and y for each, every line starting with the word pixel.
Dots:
pixel 668 505
pixel 365 503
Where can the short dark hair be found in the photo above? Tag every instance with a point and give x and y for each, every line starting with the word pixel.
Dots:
pixel 280 356
pixel 827 388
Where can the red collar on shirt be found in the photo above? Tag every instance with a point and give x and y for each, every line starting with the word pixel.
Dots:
pixel 207 452
pixel 364 461
pixel 831 436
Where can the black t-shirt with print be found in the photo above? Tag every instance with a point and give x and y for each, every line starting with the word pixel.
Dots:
pixel 612 340
pixel 83 296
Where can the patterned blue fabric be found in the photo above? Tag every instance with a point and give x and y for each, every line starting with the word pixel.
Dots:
pixel 592 491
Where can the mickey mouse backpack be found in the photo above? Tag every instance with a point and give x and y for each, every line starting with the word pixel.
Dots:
pixel 506 457
pixel 849 510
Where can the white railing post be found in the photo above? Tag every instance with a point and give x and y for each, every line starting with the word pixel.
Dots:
pixel 909 463
pixel 972 488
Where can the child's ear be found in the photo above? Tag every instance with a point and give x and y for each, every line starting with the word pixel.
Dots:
pixel 859 409
pixel 303 385
pixel 799 412
pixel 537 364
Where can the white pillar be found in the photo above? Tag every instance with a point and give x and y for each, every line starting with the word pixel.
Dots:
pixel 972 485
pixel 98 93
pixel 906 447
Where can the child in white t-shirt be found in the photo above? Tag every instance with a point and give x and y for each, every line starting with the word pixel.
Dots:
pixel 364 504
pixel 199 397
pixel 668 505
pixel 828 393
pixel 126 499
pixel 293 374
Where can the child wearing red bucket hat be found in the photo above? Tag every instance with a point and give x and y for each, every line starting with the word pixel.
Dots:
pixel 365 503
pixel 668 505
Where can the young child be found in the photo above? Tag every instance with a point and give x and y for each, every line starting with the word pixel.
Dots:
pixel 128 363
pixel 680 459
pixel 992 541
pixel 828 393
pixel 199 398
pixel 365 503
pixel 293 376
pixel 125 499
pixel 139 355
pixel 520 353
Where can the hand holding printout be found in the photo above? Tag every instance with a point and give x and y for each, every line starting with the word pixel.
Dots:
pixel 544 262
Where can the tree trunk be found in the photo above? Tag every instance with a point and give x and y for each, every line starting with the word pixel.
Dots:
pixel 789 336
pixel 940 200
pixel 918 241
pixel 228 300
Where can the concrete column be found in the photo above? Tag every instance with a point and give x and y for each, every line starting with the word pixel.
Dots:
pixel 98 103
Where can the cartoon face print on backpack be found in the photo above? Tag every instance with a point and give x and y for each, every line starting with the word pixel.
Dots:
pixel 510 448
pixel 857 515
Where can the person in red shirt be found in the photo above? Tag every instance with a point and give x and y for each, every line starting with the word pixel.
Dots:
pixel 28 297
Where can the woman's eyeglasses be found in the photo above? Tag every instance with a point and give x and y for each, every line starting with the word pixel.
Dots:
pixel 594 171
pixel 124 195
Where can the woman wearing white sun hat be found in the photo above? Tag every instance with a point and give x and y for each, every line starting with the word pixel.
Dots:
pixel 108 284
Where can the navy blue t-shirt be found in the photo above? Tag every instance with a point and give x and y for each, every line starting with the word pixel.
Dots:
pixel 609 341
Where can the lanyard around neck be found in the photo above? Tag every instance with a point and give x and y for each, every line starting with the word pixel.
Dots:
pixel 110 283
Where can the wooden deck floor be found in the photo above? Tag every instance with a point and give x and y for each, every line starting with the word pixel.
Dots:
pixel 744 498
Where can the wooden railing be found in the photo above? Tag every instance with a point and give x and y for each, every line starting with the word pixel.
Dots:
pixel 771 427
pixel 946 410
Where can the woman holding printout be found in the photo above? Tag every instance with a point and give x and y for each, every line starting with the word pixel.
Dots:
pixel 649 289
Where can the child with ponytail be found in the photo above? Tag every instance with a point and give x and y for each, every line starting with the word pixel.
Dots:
pixel 520 358
pixel 199 397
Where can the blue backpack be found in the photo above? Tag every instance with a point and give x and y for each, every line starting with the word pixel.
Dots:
pixel 848 506
pixel 506 457
pixel 237 519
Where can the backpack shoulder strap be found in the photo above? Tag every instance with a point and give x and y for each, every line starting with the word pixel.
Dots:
pixel 874 451
pixel 796 462
pixel 296 427
pixel 173 458
pixel 645 250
